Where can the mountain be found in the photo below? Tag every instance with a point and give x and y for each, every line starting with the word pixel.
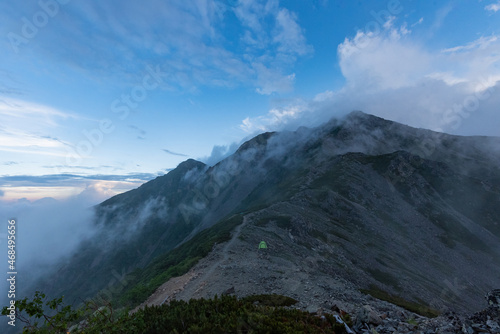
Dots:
pixel 357 204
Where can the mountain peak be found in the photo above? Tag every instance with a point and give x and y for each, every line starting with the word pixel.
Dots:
pixel 190 164
pixel 256 141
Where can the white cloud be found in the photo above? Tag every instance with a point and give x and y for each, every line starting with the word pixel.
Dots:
pixel 29 128
pixel 481 43
pixel 289 34
pixel 381 61
pixel 392 75
pixel 418 22
pixel 494 7
pixel 441 15
pixel 399 79
pixel 273 40
pixel 276 118
pixel 270 80
pixel 51 230
pixel 16 108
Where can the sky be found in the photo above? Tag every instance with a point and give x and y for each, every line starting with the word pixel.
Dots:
pixel 98 97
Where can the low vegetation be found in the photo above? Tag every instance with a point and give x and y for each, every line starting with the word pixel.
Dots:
pixel 225 314
pixel 418 308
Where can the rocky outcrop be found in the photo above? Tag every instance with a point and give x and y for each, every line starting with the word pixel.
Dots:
pixel 488 320
pixel 368 321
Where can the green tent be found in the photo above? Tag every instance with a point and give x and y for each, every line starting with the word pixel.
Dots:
pixel 262 245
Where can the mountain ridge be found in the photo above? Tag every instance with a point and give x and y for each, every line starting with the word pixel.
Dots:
pixel 361 200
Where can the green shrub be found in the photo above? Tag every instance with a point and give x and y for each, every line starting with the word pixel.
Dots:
pixel 225 314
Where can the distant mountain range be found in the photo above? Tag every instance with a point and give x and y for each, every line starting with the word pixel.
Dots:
pixel 382 206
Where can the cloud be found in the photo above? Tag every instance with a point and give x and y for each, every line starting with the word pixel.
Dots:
pixel 142 133
pixel 441 15
pixel 95 188
pixel 2 193
pixel 27 127
pixel 174 153
pixel 58 167
pixel 381 61
pixel 273 39
pixel 271 80
pixel 16 108
pixel 494 7
pixel 48 230
pixel 289 35
pixel 8 84
pixel 72 179
pixel 481 43
pixel 24 139
pixel 188 39
pixel 418 22
pixel 219 152
pixel 392 75
pixel 276 118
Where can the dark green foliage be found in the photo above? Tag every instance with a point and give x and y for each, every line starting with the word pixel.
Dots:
pixel 224 314
pixel 418 308
pixel 44 316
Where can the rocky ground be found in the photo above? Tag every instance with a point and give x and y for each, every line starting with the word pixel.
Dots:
pixel 238 267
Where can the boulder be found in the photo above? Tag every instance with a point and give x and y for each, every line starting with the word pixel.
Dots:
pixel 493 298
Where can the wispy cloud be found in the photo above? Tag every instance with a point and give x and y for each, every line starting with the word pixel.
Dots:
pixel 187 38
pixel 273 39
pixel 8 84
pixel 289 35
pixel 480 43
pixel 71 179
pixel 441 15
pixel 418 22
pixel 174 153
pixel 142 133
pixel 494 7
pixel 32 128
pixel 19 141
pixel 16 108
pixel 100 167
pixel 93 187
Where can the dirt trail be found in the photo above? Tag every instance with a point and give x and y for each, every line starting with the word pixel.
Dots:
pixel 191 289
pixel 194 280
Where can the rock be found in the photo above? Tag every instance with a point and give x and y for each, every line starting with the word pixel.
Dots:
pixel 480 328
pixel 493 325
pixel 366 315
pixel 467 329
pixel 229 291
pixel 493 298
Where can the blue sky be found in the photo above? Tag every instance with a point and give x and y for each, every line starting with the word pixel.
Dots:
pixel 97 97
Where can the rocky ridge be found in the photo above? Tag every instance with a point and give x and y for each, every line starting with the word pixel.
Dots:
pixel 238 267
pixel 356 204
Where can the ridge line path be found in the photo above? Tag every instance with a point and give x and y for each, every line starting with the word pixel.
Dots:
pixel 185 284
pixel 203 277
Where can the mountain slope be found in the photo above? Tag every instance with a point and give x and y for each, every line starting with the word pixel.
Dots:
pixel 363 201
